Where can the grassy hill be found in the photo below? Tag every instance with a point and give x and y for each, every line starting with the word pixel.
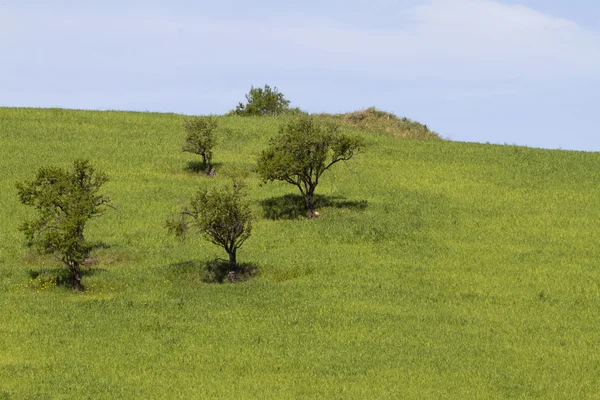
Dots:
pixel 436 270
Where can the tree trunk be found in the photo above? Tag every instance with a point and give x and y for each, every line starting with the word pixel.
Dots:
pixel 76 275
pixel 233 268
pixel 310 203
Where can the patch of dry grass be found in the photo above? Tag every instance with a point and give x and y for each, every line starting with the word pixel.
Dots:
pixel 376 120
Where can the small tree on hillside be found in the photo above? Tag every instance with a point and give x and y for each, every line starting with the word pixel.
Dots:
pixel 222 216
pixel 263 101
pixel 303 150
pixel 65 201
pixel 200 139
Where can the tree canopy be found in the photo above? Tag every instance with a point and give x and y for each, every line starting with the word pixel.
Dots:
pixel 304 149
pixel 200 139
pixel 263 101
pixel 222 216
pixel 65 200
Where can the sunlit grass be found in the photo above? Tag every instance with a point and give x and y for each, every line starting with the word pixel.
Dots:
pixel 436 270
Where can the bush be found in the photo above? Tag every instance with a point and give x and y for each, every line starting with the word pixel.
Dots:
pixel 200 139
pixel 222 216
pixel 65 200
pixel 304 149
pixel 263 101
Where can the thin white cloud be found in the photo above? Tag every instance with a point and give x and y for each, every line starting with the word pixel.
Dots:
pixel 493 40
pixel 470 40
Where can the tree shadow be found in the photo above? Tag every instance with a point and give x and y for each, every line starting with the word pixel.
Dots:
pixel 99 244
pixel 196 167
pixel 212 271
pixel 292 206
pixel 59 276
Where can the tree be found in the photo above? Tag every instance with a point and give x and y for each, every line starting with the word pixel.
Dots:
pixel 65 201
pixel 222 216
pixel 261 101
pixel 304 149
pixel 200 139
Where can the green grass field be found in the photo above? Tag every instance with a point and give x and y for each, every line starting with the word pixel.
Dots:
pixel 436 270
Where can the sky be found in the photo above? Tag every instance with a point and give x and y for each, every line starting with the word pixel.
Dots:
pixel 524 72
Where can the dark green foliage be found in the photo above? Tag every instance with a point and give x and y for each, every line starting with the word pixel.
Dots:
pixel 65 201
pixel 200 139
pixel 303 150
pixel 265 101
pixel 222 216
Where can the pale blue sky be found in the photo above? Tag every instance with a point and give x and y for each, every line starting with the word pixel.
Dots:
pixel 521 72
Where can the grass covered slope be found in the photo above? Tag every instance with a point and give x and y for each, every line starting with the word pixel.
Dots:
pixel 437 269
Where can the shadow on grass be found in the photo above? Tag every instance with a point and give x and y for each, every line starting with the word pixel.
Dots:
pixel 196 167
pixel 60 276
pixel 213 271
pixel 99 245
pixel 292 206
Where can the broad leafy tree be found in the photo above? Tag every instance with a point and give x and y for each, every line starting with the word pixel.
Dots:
pixel 263 101
pixel 222 216
pixel 304 149
pixel 200 139
pixel 65 201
